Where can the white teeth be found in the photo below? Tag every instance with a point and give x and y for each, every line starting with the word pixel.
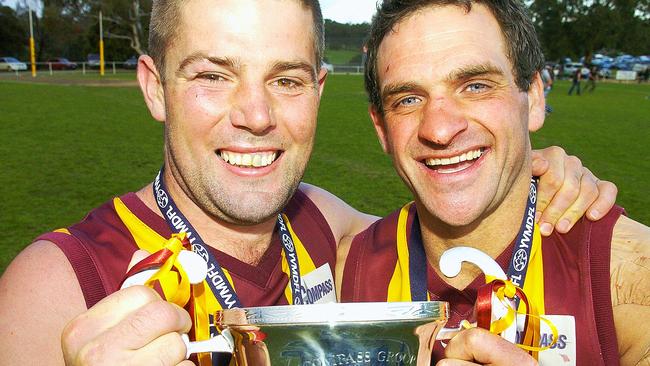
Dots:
pixel 257 160
pixel 468 156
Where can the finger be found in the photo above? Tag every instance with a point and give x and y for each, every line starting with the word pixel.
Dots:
pixel 104 315
pixel 586 196
pixel 450 362
pixel 539 164
pixel 549 167
pixel 167 349
pixel 146 324
pixel 607 192
pixel 564 197
pixel 480 346
pixel 186 363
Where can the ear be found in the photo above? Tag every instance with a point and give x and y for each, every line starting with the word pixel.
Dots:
pixel 322 76
pixel 151 86
pixel 536 104
pixel 380 127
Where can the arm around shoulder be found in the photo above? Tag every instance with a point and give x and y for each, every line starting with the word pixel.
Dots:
pixel 630 288
pixel 39 294
pixel 343 219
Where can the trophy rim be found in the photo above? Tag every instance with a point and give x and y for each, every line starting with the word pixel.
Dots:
pixel 334 313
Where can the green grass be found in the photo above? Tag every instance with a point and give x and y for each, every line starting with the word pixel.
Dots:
pixel 91 75
pixel 66 149
pixel 609 130
pixel 341 57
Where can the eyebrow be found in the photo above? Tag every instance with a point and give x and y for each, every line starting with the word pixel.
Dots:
pixel 462 73
pixel 394 89
pixel 470 71
pixel 281 66
pixel 231 63
pixel 221 61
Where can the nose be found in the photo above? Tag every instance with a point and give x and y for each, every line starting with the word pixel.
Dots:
pixel 442 121
pixel 252 109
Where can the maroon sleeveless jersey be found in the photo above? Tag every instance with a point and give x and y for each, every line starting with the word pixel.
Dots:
pixel 576 278
pixel 100 248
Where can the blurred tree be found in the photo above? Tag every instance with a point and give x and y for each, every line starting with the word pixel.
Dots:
pixel 576 28
pixel 14 36
pixel 339 36
pixel 71 28
pixel 127 20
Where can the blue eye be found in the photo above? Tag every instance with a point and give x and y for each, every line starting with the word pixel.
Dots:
pixel 409 101
pixel 476 88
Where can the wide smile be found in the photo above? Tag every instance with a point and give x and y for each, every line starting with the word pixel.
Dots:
pixel 259 159
pixel 454 164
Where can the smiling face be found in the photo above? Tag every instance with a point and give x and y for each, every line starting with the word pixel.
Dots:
pixel 241 94
pixel 454 121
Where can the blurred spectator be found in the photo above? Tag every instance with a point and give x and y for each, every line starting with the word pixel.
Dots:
pixel 547 79
pixel 577 76
pixel 591 80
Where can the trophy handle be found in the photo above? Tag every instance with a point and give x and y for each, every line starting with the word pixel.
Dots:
pixel 451 260
pixel 222 343
pixel 450 265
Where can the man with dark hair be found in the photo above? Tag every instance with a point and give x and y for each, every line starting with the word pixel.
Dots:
pixel 237 84
pixel 454 91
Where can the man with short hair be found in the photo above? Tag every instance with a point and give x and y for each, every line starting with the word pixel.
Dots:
pixel 237 84
pixel 454 91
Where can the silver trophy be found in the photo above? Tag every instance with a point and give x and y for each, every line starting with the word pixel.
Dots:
pixel 398 333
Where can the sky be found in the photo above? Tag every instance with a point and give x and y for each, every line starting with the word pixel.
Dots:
pixel 342 11
pixel 346 11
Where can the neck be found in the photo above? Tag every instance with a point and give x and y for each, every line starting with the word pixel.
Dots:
pixel 247 243
pixel 491 233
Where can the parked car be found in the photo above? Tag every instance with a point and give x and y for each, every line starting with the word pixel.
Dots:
pixel 93 60
pixel 605 72
pixel 131 63
pixel 639 67
pixel 61 63
pixel 571 67
pixel 11 64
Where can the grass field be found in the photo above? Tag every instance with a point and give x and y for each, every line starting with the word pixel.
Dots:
pixel 66 149
pixel 341 57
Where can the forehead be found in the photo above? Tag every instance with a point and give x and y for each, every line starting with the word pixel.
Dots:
pixel 440 39
pixel 245 28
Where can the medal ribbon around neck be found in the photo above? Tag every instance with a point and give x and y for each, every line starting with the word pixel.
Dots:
pixel 409 282
pixel 223 291
pixel 225 294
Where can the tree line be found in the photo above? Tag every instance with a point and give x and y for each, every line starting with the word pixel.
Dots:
pixel 70 28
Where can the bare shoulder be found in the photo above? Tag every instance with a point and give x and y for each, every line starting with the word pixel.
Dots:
pixel 630 288
pixel 630 263
pixel 39 295
pixel 342 218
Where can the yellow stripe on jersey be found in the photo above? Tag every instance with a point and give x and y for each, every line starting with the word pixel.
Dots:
pixel 145 237
pixel 399 287
pixel 63 230
pixel 204 300
pixel 306 263
pixel 534 290
pixel 534 284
